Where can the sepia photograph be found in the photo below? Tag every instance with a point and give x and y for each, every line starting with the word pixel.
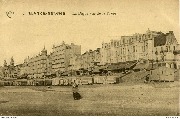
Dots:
pixel 89 58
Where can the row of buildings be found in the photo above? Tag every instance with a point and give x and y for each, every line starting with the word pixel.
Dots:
pixel 151 46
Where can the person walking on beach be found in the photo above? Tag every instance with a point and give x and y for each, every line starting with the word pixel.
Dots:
pixel 75 91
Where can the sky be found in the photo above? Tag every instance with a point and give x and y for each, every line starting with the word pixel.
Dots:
pixel 26 35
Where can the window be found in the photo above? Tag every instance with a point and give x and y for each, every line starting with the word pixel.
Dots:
pixel 117 43
pixel 174 47
pixel 114 44
pixel 161 48
pixel 167 48
pixel 133 48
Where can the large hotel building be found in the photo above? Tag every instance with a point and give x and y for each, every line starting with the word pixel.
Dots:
pixel 57 62
pixel 61 56
pixel 152 45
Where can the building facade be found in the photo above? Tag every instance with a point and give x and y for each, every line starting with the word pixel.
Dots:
pixel 148 46
pixel 61 56
pixel 152 46
pixel 91 58
pixel 75 63
pixel 9 70
pixel 164 47
pixel 1 72
pixel 177 56
pixel 37 66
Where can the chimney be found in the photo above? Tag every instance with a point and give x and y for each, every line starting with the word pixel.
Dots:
pixel 171 32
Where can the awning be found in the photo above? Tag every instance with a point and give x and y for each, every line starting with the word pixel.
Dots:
pixel 10 79
pixel 65 74
pixel 39 79
pixel 116 66
pixel 21 80
pixel 141 66
pixel 121 66
pixel 130 65
pixel 103 67
pixel 96 70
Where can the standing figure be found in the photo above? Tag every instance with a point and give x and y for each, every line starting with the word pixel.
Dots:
pixel 75 90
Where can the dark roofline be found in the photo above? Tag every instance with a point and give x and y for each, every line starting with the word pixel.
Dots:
pixel 160 40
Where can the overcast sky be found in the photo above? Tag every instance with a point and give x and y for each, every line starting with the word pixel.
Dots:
pixel 25 35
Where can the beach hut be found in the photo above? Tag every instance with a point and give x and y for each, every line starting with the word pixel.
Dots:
pixel 111 79
pixel 31 82
pixel 66 81
pixel 20 82
pixel 71 80
pixel 55 81
pixel 40 82
pixel 85 80
pixel 95 79
pixel 61 81
pixel 162 74
pixel 99 79
pixel 48 82
pixel 8 83
pixel 77 80
pixel 1 83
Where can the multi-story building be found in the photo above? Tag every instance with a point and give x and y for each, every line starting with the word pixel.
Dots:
pixel 177 56
pixel 138 46
pixel 61 55
pixel 37 66
pixel 24 70
pixel 85 60
pixel 152 46
pixel 164 46
pixel 1 72
pixel 97 56
pixel 9 70
pixel 106 53
pixel 75 63
pixel 17 70
pixel 49 65
pixel 90 59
